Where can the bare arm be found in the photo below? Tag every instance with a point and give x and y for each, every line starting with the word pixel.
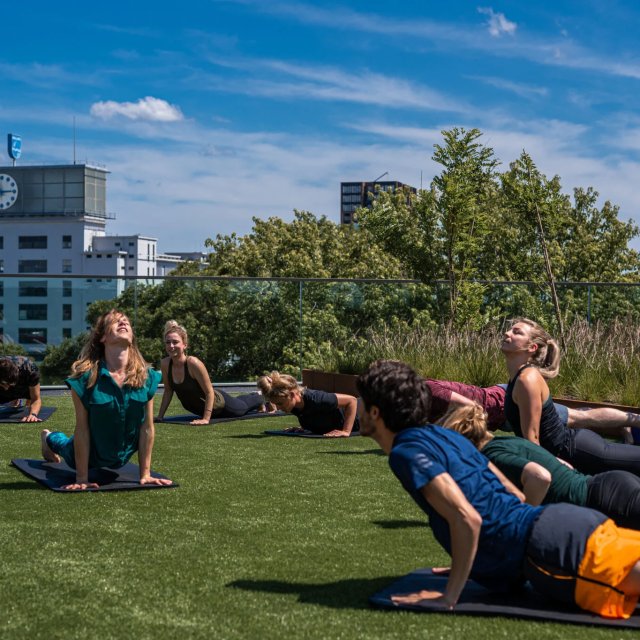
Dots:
pixel 201 375
pixel 506 483
pixel 465 522
pixel 459 400
pixel 536 481
pixel 349 404
pixel 81 444
pixel 168 389
pixel 35 404
pixel 527 394
pixel 145 448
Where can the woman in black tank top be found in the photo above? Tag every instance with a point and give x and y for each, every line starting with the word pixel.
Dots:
pixel 533 355
pixel 189 379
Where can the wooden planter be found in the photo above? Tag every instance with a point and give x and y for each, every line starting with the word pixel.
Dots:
pixel 331 382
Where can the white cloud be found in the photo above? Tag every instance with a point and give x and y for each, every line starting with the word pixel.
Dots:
pixel 498 23
pixel 519 88
pixel 149 108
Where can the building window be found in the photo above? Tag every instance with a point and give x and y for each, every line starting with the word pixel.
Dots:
pixel 32 242
pixel 66 312
pixel 32 266
pixel 29 335
pixel 1 266
pixel 132 244
pixel 66 266
pixel 1 312
pixel 109 255
pixel 67 287
pixel 32 312
pixel 1 287
pixel 117 244
pixel 1 242
pixel 66 242
pixel 130 268
pixel 32 288
pixel 66 333
pixel 131 255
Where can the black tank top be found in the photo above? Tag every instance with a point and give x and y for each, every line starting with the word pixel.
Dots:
pixel 191 394
pixel 554 435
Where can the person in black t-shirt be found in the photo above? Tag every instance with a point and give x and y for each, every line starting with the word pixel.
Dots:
pixel 333 415
pixel 20 379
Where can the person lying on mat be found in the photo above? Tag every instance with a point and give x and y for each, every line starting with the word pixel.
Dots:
pixel 188 378
pixel 570 553
pixel 112 389
pixel 543 478
pixel 332 415
pixel 532 355
pixel 20 379
pixel 603 420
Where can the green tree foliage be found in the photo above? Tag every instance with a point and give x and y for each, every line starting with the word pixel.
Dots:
pixel 474 223
pixel 443 232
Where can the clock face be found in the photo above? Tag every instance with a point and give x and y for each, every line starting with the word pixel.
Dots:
pixel 8 191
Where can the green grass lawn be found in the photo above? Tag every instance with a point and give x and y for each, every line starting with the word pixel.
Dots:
pixel 266 537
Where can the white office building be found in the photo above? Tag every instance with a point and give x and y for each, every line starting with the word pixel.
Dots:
pixel 53 223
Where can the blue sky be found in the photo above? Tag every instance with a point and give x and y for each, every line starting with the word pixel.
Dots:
pixel 210 112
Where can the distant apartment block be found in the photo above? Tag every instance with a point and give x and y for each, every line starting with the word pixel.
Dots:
pixel 53 223
pixel 355 195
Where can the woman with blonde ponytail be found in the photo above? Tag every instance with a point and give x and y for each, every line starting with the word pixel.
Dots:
pixel 543 478
pixel 332 415
pixel 532 355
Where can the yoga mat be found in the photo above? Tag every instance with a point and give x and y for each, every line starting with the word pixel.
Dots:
pixel 56 475
pixel 15 414
pixel 186 419
pixel 475 600
pixel 305 434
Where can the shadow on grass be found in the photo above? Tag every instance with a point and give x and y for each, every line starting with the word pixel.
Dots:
pixel 352 593
pixel 400 524
pixel 250 436
pixel 21 486
pixel 374 452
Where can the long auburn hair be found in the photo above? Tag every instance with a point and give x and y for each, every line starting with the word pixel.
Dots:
pixel 93 353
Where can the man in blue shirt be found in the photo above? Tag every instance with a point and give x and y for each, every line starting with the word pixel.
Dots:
pixel 490 534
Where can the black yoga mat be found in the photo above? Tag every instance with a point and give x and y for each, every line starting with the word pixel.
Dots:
pixel 304 434
pixel 475 600
pixel 57 474
pixel 15 414
pixel 186 419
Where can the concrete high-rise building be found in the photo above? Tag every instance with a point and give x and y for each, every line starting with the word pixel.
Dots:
pixel 355 195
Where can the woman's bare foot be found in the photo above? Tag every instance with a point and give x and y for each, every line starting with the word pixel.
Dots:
pixel 47 454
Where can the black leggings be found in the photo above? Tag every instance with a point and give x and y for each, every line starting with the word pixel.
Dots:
pixel 617 495
pixel 236 406
pixel 593 454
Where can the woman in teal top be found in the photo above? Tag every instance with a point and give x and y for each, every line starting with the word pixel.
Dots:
pixel 112 389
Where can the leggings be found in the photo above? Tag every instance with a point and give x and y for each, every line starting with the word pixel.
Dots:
pixel 593 454
pixel 617 495
pixel 236 406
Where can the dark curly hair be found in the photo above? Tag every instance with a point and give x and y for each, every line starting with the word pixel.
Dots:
pixel 9 372
pixel 401 395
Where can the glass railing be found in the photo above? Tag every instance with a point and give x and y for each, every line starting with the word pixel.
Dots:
pixel 243 326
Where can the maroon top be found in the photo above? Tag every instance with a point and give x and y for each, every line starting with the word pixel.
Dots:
pixel 491 399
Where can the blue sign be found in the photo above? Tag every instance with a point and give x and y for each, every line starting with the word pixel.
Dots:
pixel 14 146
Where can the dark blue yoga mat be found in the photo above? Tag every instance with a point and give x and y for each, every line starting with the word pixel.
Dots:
pixel 55 475
pixel 304 434
pixel 186 419
pixel 478 601
pixel 15 414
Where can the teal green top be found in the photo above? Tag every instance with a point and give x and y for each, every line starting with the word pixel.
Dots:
pixel 115 415
pixel 511 454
